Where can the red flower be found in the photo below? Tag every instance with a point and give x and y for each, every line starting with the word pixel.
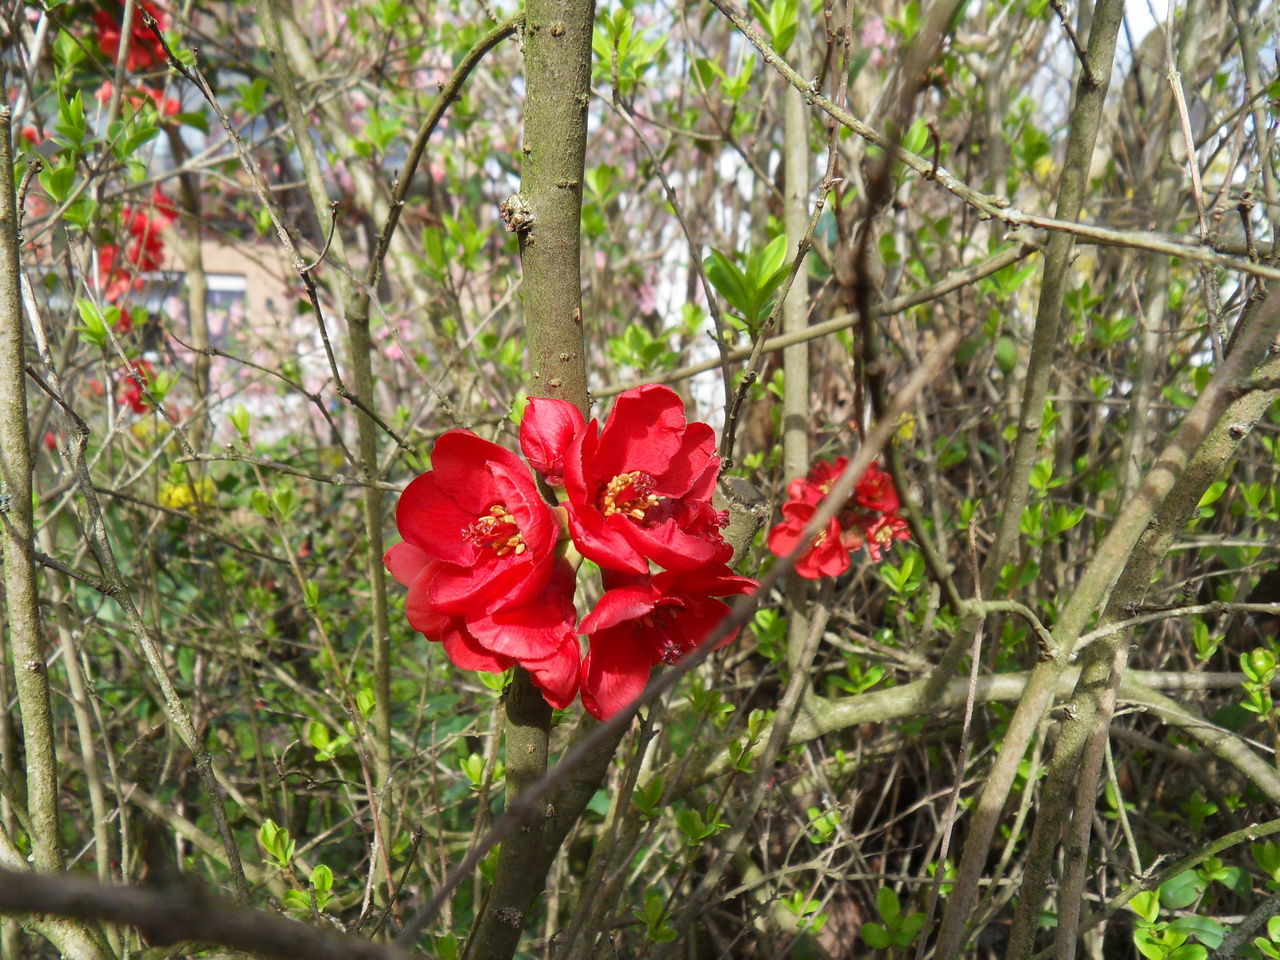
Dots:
pixel 640 489
pixel 882 531
pixel 867 518
pixel 143 252
pixel 822 476
pixel 646 621
pixel 827 556
pixel 875 491
pixel 538 634
pixel 31 135
pixel 479 511
pixel 548 428
pixel 145 50
pixel 131 394
pixel 137 96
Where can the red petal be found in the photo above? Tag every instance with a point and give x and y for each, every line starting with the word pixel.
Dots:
pixel 672 548
pixel 557 675
pixel 432 521
pixel 405 561
pixel 644 432
pixel 467 653
pixel 547 430
pixel 460 462
pixel 688 473
pixel 619 606
pixel 614 673
pixel 599 540
pixel 533 630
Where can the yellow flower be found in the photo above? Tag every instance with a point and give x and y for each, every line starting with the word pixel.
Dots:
pixel 191 496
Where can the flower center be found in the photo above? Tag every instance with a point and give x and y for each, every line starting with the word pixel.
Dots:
pixel 883 533
pixel 661 620
pixel 630 494
pixel 496 530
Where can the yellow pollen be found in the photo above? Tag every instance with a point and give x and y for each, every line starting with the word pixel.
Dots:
pixel 496 530
pixel 630 494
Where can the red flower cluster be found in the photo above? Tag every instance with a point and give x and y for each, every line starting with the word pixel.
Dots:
pixel 868 518
pixel 145 51
pixel 130 390
pixel 487 560
pixel 143 251
pixel 136 96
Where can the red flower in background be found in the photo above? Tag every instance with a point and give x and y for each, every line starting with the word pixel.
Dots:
pixel 827 557
pixel 145 51
pixel 131 394
pixel 868 518
pixel 143 251
pixel 643 621
pixel 137 96
pixel 812 488
pixel 875 491
pixel 881 533
pixel 640 489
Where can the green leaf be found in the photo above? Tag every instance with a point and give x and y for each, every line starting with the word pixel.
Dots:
pixel 875 935
pixel 93 325
pixel 888 906
pixel 1006 355
pixel 1181 891
pixel 1146 905
pixel 322 878
pixel 240 420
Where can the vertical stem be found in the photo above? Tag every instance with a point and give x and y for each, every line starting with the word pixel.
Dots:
pixel 795 317
pixel 16 529
pixel 557 56
pixel 546 215
pixel 30 676
pixel 187 243
pixel 360 348
pixel 1084 123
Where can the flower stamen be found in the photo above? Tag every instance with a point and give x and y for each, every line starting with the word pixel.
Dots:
pixel 630 494
pixel 496 530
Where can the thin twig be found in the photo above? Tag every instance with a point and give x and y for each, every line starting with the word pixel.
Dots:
pixel 1061 10
pixel 756 358
pixel 695 248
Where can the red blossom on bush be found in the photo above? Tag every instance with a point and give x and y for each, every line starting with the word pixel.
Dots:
pixel 143 252
pixel 145 51
pixel 643 621
pixel 131 394
pixel 137 96
pixel 827 557
pixel 640 489
pixel 479 559
pixel 868 518
pixel 487 581
pixel 479 511
pixel 538 635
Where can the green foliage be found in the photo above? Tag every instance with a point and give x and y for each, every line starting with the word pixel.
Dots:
pixel 653 916
pixel 895 929
pixel 748 289
pixel 278 845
